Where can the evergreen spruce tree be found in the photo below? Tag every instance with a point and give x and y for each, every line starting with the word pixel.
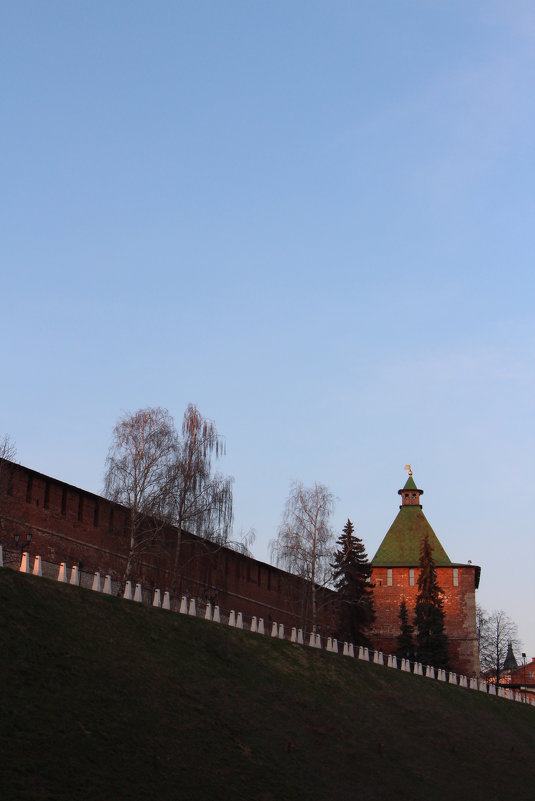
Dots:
pixel 431 640
pixel 405 649
pixel 352 572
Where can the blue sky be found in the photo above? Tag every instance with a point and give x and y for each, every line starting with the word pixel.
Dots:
pixel 314 220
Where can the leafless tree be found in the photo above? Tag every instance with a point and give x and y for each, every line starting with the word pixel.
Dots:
pixel 8 452
pixel 495 631
pixel 8 449
pixel 244 542
pixel 305 540
pixel 138 471
pixel 199 501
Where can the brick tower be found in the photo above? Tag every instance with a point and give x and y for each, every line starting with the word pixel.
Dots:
pixel 395 575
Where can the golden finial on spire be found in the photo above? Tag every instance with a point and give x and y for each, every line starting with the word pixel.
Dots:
pixel 408 467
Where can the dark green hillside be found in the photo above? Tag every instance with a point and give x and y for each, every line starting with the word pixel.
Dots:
pixel 102 699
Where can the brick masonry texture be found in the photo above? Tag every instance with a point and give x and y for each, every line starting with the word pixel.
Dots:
pixel 459 608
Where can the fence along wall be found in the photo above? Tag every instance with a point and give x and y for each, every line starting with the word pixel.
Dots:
pixel 78 527
pixel 150 598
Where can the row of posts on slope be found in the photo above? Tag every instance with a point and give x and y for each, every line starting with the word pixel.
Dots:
pixel 211 612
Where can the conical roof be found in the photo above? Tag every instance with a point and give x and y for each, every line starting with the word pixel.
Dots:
pixel 403 541
pixel 410 485
pixel 510 660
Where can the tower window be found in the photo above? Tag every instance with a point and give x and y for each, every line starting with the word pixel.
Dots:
pixel 389 576
pixel 411 577
pixel 455 576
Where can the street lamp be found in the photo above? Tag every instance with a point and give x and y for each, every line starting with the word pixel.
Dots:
pixel 23 545
pixel 524 666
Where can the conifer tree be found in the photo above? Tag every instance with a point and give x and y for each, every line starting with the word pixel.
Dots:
pixel 431 640
pixel 405 649
pixel 351 573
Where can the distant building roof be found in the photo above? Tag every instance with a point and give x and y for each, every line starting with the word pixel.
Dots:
pixel 510 660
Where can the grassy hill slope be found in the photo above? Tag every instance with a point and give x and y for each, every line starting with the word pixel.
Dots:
pixel 103 699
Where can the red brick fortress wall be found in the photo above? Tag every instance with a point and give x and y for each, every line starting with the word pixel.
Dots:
pixel 71 525
pixel 68 524
pixel 459 608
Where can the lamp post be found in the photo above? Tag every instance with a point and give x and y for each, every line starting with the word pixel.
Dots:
pixel 24 544
pixel 524 667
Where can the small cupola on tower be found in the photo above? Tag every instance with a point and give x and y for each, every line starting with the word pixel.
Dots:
pixel 410 494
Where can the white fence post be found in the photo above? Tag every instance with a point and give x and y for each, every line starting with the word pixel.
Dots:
pixel 62 575
pixel 157 599
pixel 107 585
pixel 96 586
pixel 25 563
pixel 138 594
pixel 127 594
pixel 166 603
pixel 37 570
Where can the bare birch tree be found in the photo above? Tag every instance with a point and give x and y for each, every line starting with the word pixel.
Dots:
pixel 138 470
pixel 8 452
pixel 305 539
pixel 199 501
pixel 495 632
pixel 8 449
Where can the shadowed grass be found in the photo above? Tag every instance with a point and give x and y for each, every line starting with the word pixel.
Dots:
pixel 105 699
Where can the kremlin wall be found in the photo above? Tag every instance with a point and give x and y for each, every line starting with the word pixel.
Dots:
pixel 63 523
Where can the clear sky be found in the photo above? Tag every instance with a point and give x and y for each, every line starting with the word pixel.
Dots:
pixel 314 220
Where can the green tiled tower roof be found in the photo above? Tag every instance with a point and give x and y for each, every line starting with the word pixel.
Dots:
pixel 403 540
